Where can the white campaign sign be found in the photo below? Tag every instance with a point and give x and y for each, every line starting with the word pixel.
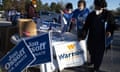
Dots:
pixel 84 47
pixel 69 54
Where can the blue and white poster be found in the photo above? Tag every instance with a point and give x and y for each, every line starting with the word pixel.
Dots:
pixel 41 48
pixel 17 59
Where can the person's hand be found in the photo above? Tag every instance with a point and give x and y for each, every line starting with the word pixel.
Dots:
pixel 61 11
pixel 108 34
pixel 73 20
pixel 79 39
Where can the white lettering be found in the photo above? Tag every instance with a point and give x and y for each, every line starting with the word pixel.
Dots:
pixel 31 44
pixel 39 47
pixel 14 58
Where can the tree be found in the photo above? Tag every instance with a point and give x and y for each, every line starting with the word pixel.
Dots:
pixel 59 7
pixel 22 5
pixel 45 7
pixel 56 7
pixel 7 4
pixel 53 6
pixel 118 11
pixel 39 5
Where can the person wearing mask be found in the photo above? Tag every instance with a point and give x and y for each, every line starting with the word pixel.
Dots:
pixel 98 30
pixel 31 12
pixel 79 17
pixel 66 17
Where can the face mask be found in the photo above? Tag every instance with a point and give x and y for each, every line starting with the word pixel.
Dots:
pixel 35 5
pixel 98 12
pixel 70 11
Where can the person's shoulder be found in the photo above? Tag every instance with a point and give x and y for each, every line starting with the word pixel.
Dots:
pixel 92 13
pixel 86 9
pixel 76 10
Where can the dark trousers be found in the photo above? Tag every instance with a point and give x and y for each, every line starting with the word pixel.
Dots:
pixel 96 55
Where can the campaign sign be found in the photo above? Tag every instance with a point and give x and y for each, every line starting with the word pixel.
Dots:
pixel 69 54
pixel 55 25
pixel 40 47
pixel 52 24
pixel 17 59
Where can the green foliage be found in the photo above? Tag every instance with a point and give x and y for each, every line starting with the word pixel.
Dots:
pixel 21 5
pixel 56 6
pixel 7 4
pixel 53 6
pixel 39 5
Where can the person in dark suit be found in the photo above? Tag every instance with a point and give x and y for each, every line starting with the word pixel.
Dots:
pixel 30 9
pixel 99 23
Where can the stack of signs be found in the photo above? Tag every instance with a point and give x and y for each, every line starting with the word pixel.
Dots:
pixel 29 52
pixel 50 26
pixel 69 54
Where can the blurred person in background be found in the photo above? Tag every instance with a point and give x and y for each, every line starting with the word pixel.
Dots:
pixel 66 16
pixel 79 17
pixel 30 9
pixel 11 14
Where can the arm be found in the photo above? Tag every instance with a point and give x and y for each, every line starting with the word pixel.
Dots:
pixel 85 28
pixel 111 24
pixel 86 13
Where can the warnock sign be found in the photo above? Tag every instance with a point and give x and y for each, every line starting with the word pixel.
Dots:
pixel 69 54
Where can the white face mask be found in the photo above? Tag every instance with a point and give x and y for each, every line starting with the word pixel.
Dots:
pixel 98 12
pixel 35 5
pixel 70 11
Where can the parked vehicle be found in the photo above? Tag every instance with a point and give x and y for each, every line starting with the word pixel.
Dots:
pixel 48 16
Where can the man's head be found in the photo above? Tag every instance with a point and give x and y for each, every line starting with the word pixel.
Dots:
pixel 81 4
pixel 69 7
pixel 100 4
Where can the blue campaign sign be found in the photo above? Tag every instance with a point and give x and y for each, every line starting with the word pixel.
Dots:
pixel 55 24
pixel 40 47
pixel 17 59
pixel 108 41
pixel 51 24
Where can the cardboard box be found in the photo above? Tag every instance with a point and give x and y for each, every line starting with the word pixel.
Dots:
pixel 27 28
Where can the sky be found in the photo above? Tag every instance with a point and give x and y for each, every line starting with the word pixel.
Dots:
pixel 112 4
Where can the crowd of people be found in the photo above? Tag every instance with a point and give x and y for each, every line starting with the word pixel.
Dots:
pixel 14 14
pixel 95 27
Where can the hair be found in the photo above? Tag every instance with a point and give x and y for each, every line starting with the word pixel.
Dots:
pixel 82 1
pixel 69 6
pixel 100 3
